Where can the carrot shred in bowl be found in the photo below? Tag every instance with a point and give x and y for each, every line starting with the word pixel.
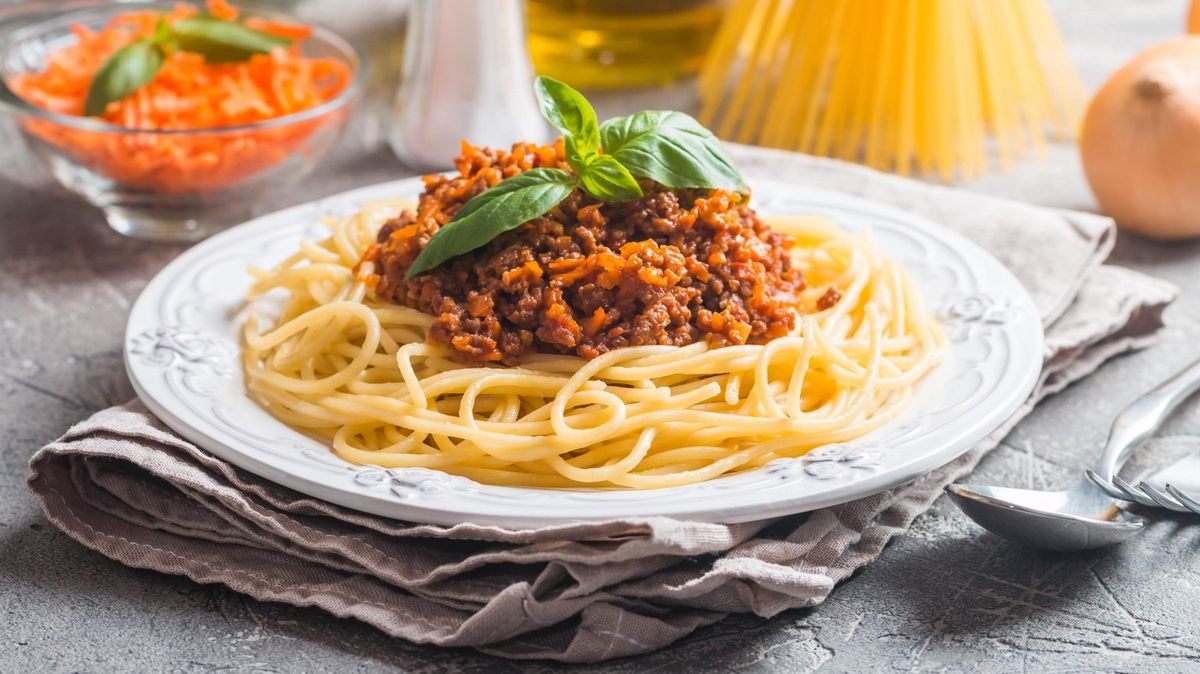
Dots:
pixel 187 93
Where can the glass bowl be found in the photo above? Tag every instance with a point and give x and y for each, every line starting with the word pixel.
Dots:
pixel 129 173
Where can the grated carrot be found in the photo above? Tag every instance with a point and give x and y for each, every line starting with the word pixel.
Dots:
pixel 291 31
pixel 222 9
pixel 187 93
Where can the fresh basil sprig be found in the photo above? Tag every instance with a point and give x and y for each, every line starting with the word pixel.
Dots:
pixel 672 149
pixel 605 178
pixel 571 114
pixel 669 148
pixel 135 65
pixel 508 205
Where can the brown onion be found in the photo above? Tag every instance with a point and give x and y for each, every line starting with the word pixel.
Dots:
pixel 1140 142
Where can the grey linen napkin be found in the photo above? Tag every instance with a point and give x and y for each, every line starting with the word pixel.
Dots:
pixel 123 484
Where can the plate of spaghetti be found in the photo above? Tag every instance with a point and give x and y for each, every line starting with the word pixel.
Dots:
pixel 515 343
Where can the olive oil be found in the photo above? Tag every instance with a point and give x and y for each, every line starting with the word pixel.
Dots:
pixel 621 43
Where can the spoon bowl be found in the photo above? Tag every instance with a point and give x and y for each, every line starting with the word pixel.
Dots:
pixel 1081 518
pixel 1084 516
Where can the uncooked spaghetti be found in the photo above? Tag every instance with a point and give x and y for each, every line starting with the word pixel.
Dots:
pixel 924 86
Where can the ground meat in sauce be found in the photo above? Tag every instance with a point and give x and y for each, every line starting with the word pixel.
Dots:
pixel 673 267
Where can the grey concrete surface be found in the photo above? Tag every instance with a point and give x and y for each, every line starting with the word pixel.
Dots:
pixel 944 597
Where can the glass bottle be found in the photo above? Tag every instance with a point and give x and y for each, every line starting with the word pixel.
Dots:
pixel 621 43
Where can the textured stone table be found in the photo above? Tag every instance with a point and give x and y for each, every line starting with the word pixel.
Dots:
pixel 944 597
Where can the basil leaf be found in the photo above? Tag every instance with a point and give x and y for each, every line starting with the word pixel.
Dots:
pixel 605 178
pixel 571 114
pixel 506 206
pixel 672 149
pixel 221 41
pixel 162 31
pixel 576 159
pixel 127 70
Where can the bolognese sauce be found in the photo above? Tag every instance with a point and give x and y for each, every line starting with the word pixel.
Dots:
pixel 673 267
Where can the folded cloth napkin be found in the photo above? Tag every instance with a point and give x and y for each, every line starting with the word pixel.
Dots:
pixel 125 485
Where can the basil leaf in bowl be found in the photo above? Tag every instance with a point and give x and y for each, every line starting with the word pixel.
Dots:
pixel 127 70
pixel 135 65
pixel 221 41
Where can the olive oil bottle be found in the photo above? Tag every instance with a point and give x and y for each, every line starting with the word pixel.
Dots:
pixel 620 43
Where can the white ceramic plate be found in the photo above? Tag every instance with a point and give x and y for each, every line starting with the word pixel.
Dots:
pixel 182 355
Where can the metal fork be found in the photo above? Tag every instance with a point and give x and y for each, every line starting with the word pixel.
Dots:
pixel 1175 487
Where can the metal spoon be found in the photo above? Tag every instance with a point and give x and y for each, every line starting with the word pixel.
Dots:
pixel 1082 517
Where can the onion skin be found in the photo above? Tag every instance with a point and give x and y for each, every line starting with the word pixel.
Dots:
pixel 1140 142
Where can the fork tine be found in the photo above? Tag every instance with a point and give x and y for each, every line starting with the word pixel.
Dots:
pixel 1106 486
pixel 1162 499
pixel 1191 503
pixel 1134 493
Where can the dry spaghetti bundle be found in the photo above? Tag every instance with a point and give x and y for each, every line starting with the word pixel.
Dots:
pixel 902 85
pixel 362 375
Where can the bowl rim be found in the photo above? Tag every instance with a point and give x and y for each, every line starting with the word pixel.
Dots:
pixel 18 105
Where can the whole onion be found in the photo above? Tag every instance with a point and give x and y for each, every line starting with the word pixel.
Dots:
pixel 1140 142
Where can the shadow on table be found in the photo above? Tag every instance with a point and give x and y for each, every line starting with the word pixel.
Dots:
pixel 48 566
pixel 1134 250
pixel 987 589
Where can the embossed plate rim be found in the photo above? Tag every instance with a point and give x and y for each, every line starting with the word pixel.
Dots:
pixel 174 368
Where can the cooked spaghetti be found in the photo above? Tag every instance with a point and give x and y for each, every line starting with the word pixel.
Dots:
pixel 370 377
